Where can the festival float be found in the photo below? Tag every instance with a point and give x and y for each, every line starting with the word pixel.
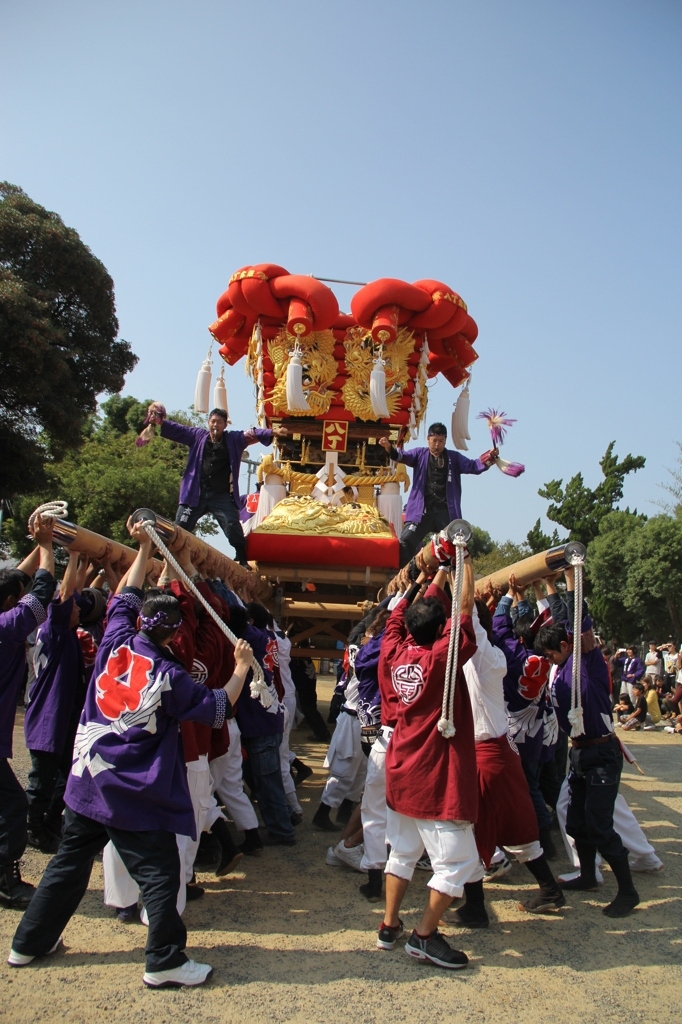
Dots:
pixel 324 526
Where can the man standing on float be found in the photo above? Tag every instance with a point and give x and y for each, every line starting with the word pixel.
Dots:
pixel 436 495
pixel 210 482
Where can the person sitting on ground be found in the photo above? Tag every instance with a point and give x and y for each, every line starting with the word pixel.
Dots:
pixel 624 706
pixel 637 718
pixel 128 782
pixel 652 701
pixel 210 482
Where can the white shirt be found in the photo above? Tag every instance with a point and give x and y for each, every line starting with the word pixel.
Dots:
pixel 484 673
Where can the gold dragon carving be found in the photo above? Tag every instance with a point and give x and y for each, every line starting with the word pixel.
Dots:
pixel 361 352
pixel 305 515
pixel 319 370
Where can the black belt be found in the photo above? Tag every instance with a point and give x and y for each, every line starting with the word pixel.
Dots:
pixel 594 742
pixel 349 711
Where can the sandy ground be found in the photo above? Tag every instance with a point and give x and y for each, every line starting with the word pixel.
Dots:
pixel 292 940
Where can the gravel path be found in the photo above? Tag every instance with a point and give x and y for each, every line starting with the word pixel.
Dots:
pixel 291 940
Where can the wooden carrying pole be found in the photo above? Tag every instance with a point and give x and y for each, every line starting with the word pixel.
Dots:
pixel 209 562
pixel 535 567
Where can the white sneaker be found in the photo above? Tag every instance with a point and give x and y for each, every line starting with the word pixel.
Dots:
pixel 424 863
pixel 351 856
pixel 570 875
pixel 648 863
pixel 498 870
pixel 21 959
pixel 190 973
pixel 331 859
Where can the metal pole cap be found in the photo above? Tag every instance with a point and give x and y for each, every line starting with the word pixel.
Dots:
pixel 144 515
pixel 575 552
pixel 459 530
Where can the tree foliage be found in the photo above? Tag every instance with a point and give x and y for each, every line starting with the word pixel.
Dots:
pixel 635 568
pixel 109 477
pixel 58 331
pixel 580 509
pixel 539 541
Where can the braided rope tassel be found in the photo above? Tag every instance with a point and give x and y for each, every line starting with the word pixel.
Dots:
pixel 575 715
pixel 55 509
pixel 446 725
pixel 258 686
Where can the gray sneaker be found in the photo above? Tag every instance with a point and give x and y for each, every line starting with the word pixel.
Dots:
pixel 435 950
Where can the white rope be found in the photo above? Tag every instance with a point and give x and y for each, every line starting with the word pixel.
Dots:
pixel 446 724
pixel 55 509
pixel 259 688
pixel 575 715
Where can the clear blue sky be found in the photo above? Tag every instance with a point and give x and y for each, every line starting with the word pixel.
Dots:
pixel 526 153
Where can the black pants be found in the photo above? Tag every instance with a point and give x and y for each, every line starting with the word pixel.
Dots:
pixel 13 806
pixel 413 534
pixel 306 698
pixel 223 508
pixel 593 779
pixel 45 791
pixel 152 860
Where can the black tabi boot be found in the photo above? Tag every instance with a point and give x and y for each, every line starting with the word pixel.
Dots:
pixel 587 879
pixel 230 855
pixel 371 890
pixel 253 844
pixel 550 896
pixel 322 820
pixel 300 771
pixel 14 892
pixel 627 896
pixel 344 812
pixel 473 914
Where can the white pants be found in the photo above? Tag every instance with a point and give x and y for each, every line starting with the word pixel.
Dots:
pixel 284 757
pixel 642 856
pixel 228 782
pixel 119 888
pixel 374 805
pixel 451 847
pixel 346 763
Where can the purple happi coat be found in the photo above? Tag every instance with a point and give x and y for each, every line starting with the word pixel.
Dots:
pixel 59 688
pixel 16 625
pixel 595 691
pixel 367 672
pixel 236 442
pixel 532 722
pixel 129 767
pixel 418 458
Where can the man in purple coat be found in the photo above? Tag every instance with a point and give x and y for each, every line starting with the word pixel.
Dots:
pixel 20 613
pixel 128 780
pixel 436 494
pixel 210 482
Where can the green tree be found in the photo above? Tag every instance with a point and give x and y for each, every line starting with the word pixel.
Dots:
pixel 58 339
pixel 580 509
pixel 498 557
pixel 654 583
pixel 538 541
pixel 109 477
pixel 608 564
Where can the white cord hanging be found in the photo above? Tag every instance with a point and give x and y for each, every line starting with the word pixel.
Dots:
pixel 460 420
pixel 259 688
pixel 377 388
pixel 220 394
pixel 446 725
pixel 202 389
pixel 296 400
pixel 575 715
